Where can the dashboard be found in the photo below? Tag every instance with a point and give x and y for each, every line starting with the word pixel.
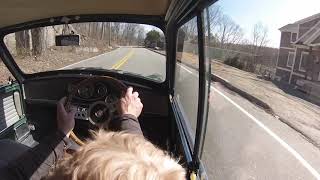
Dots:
pixel 95 99
pixel 41 96
pixel 43 93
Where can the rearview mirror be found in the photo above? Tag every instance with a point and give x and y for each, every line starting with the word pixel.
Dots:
pixel 68 40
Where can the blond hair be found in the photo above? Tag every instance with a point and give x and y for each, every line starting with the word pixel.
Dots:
pixel 118 156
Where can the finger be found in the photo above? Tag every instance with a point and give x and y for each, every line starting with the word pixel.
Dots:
pixel 135 94
pixel 129 91
pixel 73 110
pixel 60 105
pixel 138 99
pixel 63 100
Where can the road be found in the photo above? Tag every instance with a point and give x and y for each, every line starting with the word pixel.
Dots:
pixel 242 141
pixel 128 59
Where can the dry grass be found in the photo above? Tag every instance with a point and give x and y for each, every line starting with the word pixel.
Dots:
pixel 52 59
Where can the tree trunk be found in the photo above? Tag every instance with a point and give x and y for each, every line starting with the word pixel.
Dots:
pixel 38 41
pixel 22 42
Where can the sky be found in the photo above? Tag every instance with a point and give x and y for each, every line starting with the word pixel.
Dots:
pixel 272 13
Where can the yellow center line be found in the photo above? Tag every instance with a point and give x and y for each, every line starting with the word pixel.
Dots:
pixel 123 60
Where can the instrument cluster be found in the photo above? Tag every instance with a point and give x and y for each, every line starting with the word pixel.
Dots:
pixel 95 101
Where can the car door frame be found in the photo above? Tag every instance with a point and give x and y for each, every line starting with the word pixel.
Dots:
pixel 193 150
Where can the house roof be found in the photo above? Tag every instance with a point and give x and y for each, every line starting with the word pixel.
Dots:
pixel 309 35
pixel 293 27
pixel 315 41
pixel 17 11
pixel 289 28
pixel 310 18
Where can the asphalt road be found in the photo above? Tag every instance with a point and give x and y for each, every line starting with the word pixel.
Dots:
pixel 134 60
pixel 242 141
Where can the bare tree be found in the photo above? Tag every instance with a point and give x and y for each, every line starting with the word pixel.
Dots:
pixel 259 38
pixel 140 36
pixel 116 31
pixel 259 41
pixel 228 32
pixel 190 29
pixel 38 41
pixel 214 16
pixel 22 42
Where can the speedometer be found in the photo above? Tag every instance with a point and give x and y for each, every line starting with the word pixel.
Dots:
pixel 101 90
pixel 86 92
pixel 112 99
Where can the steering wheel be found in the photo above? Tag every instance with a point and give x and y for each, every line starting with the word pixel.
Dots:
pixel 99 112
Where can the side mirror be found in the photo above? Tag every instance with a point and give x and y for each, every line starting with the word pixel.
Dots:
pixel 68 40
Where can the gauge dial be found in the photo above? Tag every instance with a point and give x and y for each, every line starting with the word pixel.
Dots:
pixel 112 99
pixel 86 92
pixel 101 90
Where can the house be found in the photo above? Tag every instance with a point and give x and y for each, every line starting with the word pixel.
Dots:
pixel 299 52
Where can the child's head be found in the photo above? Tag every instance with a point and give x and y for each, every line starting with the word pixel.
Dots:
pixel 120 156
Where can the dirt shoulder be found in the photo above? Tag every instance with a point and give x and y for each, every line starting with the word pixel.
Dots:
pixel 52 59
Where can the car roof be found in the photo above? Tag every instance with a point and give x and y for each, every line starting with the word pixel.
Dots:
pixel 18 11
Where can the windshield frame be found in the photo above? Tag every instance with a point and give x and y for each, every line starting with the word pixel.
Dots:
pixel 9 61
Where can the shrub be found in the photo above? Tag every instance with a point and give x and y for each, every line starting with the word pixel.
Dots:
pixel 234 62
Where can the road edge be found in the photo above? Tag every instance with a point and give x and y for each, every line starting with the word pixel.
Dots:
pixel 231 87
pixel 63 68
pixel 251 98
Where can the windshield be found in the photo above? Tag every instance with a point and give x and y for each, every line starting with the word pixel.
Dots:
pixel 125 47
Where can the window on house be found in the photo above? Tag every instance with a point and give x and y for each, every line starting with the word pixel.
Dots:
pixel 293 37
pixel 290 59
pixel 303 61
pixel 317 60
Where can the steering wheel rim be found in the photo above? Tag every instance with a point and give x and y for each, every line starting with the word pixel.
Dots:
pixel 118 85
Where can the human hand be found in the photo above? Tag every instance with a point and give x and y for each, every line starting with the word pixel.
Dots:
pixel 131 103
pixel 65 118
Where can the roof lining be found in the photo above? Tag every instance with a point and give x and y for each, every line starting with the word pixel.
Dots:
pixel 26 11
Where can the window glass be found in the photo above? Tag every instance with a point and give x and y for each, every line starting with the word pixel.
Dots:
pixel 186 75
pixel 125 47
pixel 303 61
pixel 293 37
pixel 5 75
pixel 263 111
pixel 290 59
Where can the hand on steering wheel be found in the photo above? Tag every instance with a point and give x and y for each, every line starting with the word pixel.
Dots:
pixel 131 103
pixel 65 117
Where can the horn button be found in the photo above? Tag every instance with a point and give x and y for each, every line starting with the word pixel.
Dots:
pixel 99 113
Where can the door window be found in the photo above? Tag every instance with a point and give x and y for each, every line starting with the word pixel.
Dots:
pixel 186 75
